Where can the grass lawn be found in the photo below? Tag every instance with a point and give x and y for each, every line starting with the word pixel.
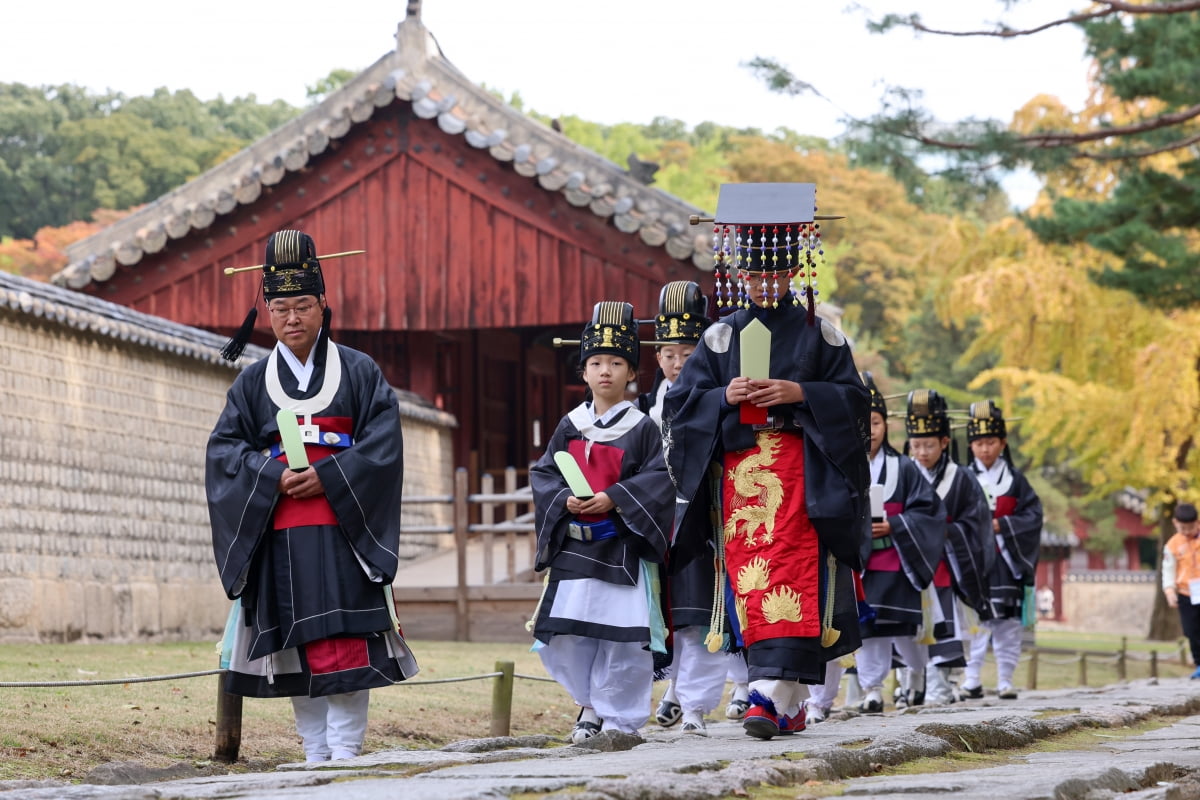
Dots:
pixel 66 731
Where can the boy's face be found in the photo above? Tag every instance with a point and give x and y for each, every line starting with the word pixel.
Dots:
pixel 926 450
pixel 878 431
pixel 671 357
pixel 987 449
pixel 761 286
pixel 607 375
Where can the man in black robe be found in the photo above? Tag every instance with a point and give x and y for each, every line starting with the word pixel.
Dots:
pixel 772 396
pixel 308 554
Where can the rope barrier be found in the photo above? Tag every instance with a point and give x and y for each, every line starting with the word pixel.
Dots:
pixel 110 682
pixel 181 675
pixel 533 677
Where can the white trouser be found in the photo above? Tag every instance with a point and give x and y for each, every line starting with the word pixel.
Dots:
pixel 874 658
pixel 823 694
pixel 333 725
pixel 614 678
pixel 787 696
pixel 1005 635
pixel 699 675
pixel 737 670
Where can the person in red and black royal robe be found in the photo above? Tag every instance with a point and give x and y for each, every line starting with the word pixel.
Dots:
pixel 793 486
pixel 1017 527
pixel 309 556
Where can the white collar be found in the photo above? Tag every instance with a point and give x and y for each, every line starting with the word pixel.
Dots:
pixel 318 402
pixel 583 417
pixel 303 372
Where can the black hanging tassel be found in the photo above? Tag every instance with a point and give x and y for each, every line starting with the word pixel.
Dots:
pixel 323 339
pixel 812 305
pixel 234 348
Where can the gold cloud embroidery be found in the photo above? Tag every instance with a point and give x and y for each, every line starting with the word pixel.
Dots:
pixel 780 605
pixel 754 575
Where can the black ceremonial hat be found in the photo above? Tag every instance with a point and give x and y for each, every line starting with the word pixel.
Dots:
pixel 291 267
pixel 927 414
pixel 612 331
pixel 878 404
pixel 682 310
pixel 985 419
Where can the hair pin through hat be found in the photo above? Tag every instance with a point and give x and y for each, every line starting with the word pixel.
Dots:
pixel 234 270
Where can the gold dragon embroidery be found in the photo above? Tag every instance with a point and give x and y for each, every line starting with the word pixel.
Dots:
pixel 758 494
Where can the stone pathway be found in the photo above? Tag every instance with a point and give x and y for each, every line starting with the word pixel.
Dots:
pixel 848 749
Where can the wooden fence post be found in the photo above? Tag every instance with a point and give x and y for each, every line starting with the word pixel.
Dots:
pixel 502 691
pixel 1083 669
pixel 1153 663
pixel 229 724
pixel 510 514
pixel 462 624
pixel 487 517
pixel 1121 660
pixel 1033 667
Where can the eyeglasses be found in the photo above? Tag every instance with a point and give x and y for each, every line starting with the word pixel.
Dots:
pixel 283 312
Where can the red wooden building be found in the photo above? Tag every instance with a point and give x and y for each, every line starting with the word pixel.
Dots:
pixel 486 233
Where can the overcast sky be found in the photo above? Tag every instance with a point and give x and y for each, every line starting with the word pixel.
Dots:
pixel 613 61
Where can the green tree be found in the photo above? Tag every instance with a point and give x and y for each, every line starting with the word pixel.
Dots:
pixel 65 152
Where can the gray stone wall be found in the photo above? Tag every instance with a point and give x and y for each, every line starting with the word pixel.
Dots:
pixel 1111 601
pixel 103 524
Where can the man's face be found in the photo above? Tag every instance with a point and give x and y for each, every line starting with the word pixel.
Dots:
pixel 987 449
pixel 671 357
pixel 926 450
pixel 296 321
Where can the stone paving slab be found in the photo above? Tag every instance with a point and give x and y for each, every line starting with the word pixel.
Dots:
pixel 849 748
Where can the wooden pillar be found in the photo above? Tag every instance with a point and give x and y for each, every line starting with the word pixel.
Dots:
pixel 229 724
pixel 502 692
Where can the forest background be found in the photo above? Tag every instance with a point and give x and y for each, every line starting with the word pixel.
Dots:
pixel 1078 315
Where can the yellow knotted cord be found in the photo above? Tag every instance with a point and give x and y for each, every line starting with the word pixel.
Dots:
pixel 829 634
pixel 715 639
pixel 545 584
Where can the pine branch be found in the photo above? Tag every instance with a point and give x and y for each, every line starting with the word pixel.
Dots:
pixel 1109 7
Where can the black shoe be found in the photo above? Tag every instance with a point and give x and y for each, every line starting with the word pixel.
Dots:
pixel 973 693
pixel 667 713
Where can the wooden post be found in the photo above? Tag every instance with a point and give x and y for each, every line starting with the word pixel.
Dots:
pixel 1033 666
pixel 1153 663
pixel 510 514
pixel 487 516
pixel 462 624
pixel 1121 659
pixel 229 724
pixel 1083 669
pixel 1183 662
pixel 502 691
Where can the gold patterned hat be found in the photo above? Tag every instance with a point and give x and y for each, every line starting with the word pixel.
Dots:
pixel 985 419
pixel 291 267
pixel 612 331
pixel 927 414
pixel 682 309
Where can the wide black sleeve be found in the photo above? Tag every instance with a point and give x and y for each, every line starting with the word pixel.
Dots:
pixel 919 531
pixel 970 546
pixel 1020 535
pixel 645 496
pixel 364 482
pixel 693 413
pixel 550 493
pixel 241 484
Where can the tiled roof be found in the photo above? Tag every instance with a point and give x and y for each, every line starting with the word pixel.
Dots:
pixel 415 72
pixel 88 313
pixel 84 312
